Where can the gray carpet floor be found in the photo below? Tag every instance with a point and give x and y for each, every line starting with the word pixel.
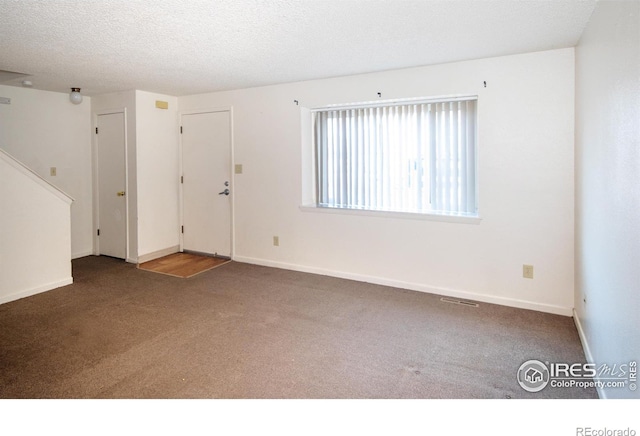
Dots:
pixel 245 331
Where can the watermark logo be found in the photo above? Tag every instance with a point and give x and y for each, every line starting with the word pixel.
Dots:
pixel 533 376
pixel 588 431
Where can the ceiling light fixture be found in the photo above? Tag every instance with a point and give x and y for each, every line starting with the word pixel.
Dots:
pixel 27 83
pixel 75 97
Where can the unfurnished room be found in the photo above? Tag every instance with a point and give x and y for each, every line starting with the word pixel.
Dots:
pixel 320 199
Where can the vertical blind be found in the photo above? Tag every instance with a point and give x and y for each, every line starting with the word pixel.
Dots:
pixel 417 157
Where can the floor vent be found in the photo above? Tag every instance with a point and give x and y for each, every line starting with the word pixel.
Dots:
pixel 456 301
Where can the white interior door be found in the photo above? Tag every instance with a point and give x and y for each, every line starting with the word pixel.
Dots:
pixel 111 166
pixel 206 186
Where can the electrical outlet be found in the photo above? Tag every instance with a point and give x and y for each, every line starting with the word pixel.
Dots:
pixel 276 241
pixel 53 171
pixel 527 271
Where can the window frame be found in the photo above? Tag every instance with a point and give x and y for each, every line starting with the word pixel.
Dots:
pixel 432 215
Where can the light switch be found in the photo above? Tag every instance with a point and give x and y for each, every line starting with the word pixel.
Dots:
pixel 53 171
pixel 238 169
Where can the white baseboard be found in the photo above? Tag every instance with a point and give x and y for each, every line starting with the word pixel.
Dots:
pixel 158 254
pixel 36 290
pixel 587 349
pixel 511 302
pixel 82 254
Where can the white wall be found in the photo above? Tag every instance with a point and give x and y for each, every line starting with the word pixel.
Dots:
pixel 157 158
pixel 526 125
pixel 44 129
pixel 119 101
pixel 35 234
pixel 607 159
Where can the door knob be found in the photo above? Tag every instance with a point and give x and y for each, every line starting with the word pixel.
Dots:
pixel 225 192
pixel 120 194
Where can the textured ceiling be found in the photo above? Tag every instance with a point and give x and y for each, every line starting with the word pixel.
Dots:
pixel 182 47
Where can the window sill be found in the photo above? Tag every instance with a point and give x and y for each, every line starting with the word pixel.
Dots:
pixel 399 215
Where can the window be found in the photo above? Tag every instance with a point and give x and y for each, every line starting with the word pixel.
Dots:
pixel 417 157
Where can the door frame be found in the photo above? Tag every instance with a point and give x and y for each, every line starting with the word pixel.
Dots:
pixel 228 109
pixel 96 180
